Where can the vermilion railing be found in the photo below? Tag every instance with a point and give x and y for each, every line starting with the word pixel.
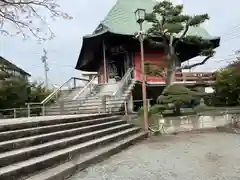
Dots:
pixel 179 76
pixel 194 76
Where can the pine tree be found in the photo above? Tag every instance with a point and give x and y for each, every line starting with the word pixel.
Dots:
pixel 172 25
pixel 176 95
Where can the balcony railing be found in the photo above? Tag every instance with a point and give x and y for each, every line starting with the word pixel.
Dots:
pixel 194 76
pixel 184 77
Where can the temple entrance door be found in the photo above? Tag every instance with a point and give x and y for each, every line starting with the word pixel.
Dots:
pixel 117 65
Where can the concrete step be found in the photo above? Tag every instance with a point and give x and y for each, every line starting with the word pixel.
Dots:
pixel 10 135
pixel 86 111
pixel 44 138
pixel 67 169
pixel 23 154
pixel 57 113
pixel 78 102
pixel 86 106
pixel 110 103
pixel 91 99
pixel 25 168
pixel 46 121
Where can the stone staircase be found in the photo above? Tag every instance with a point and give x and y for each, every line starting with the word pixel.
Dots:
pixel 93 103
pixel 70 94
pixel 53 148
pixel 102 98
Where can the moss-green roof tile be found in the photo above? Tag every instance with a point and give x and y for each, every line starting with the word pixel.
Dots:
pixel 121 18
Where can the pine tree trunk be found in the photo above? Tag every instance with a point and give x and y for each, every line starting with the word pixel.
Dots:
pixel 177 109
pixel 170 77
pixel 171 65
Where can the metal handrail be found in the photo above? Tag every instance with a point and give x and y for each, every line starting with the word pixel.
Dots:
pixel 85 87
pixel 124 79
pixel 127 73
pixel 49 97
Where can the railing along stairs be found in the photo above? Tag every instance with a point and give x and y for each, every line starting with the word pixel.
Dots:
pixel 55 94
pixel 89 87
pixel 116 97
pixel 125 82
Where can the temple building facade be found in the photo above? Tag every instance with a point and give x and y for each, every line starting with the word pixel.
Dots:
pixel 113 51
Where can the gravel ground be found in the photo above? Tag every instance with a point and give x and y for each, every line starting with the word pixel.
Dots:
pixel 210 156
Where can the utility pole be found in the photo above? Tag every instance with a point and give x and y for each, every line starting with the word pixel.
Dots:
pixel 46 69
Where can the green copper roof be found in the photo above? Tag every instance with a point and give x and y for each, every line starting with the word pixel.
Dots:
pixel 121 18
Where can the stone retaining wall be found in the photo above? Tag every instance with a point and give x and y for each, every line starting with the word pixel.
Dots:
pixel 190 123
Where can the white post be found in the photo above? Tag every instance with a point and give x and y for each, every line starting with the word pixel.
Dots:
pixel 43 110
pixel 28 110
pixel 14 113
pixel 125 108
pixel 130 103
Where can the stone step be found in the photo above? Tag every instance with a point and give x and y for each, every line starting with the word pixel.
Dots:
pixel 86 109
pixel 57 113
pixel 9 135
pixel 111 103
pixel 33 165
pixel 89 111
pixel 67 112
pixel 94 99
pixel 86 106
pixel 44 138
pixel 67 169
pixel 72 137
pixel 17 124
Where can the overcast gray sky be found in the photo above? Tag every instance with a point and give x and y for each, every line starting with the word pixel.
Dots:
pixel 64 49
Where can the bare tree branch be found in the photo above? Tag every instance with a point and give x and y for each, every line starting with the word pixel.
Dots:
pixel 196 64
pixel 29 17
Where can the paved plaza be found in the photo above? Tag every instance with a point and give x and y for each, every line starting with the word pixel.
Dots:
pixel 206 156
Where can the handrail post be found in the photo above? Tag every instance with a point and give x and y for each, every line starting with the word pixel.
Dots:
pixel 43 110
pixel 28 110
pixel 104 105
pixel 74 83
pixel 14 113
pixel 125 108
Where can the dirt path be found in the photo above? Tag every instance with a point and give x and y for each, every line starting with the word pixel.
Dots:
pixel 210 156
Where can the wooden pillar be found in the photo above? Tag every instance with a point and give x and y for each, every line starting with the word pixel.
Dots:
pixel 104 64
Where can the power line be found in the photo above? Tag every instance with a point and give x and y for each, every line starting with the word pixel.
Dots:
pixel 235 33
pixel 232 29
pixel 232 38
pixel 231 33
